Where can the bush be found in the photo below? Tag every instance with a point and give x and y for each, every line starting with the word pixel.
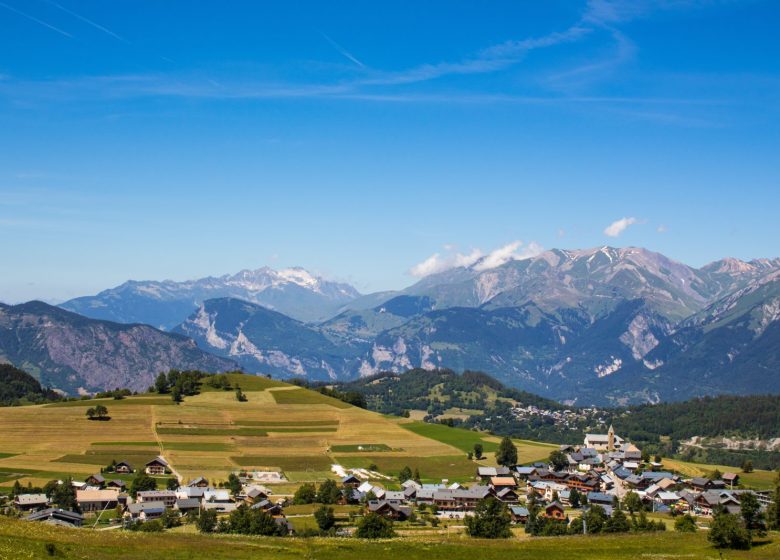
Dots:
pixel 491 520
pixel 325 518
pixel 726 531
pixel 685 524
pixel 374 526
pixel 207 522
pixel 306 494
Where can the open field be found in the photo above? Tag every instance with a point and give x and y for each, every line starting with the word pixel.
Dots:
pixel 527 451
pixel 211 434
pixel 757 479
pixel 19 540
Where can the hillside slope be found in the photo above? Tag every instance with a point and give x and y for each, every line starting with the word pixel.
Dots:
pixel 72 353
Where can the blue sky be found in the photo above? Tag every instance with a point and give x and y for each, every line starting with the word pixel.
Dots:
pixel 154 140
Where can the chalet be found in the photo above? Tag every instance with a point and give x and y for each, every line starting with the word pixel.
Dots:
pixel 500 482
pixel 187 492
pixel 459 500
pixel 486 473
pixel 352 481
pixel 600 499
pixel 268 507
pixel 186 505
pixel 519 514
pixel 524 472
pixel 96 480
pixel 157 466
pixel 116 484
pixel 394 497
pixel 199 482
pixel 145 511
pixel 255 494
pixel 508 496
pixel 583 483
pixel 555 511
pixel 55 516
pixel 702 484
pixel 631 452
pixel 706 502
pixel 391 511
pixel 96 500
pixel 31 502
pixel 731 479
pixel 123 467
pixel 666 498
pixel 167 497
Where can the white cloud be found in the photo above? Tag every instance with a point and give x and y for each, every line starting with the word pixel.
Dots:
pixel 480 261
pixel 617 227
pixel 439 263
pixel 662 228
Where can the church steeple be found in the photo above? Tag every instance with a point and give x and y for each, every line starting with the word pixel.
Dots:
pixel 611 438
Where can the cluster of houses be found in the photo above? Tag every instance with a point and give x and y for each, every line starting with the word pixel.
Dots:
pixel 97 495
pixel 600 472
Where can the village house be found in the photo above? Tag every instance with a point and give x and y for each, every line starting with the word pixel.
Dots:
pixel 156 467
pixel 255 494
pixel 96 480
pixel 351 481
pixel 391 511
pixel 116 484
pixel 268 507
pixel 486 473
pixel 145 511
pixel 555 511
pixel 507 496
pixel 199 482
pixel 460 500
pixel 56 516
pixel 519 514
pixel 96 500
pixel 123 467
pixel 731 479
pixel 186 505
pixel 30 502
pixel 167 497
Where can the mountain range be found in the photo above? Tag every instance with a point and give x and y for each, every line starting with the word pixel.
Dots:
pixel 292 291
pixel 604 325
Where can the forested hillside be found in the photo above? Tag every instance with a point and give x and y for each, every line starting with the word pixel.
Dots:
pixel 17 386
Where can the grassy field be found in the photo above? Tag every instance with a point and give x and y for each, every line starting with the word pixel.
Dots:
pixel 19 539
pixel 757 479
pixel 211 434
pixel 464 440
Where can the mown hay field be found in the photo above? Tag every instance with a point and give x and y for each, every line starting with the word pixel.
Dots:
pixel 212 434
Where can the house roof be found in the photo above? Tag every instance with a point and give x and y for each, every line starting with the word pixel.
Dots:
pixel 157 461
pixel 96 478
pixel 556 504
pixel 668 496
pixel 187 503
pixel 730 476
pixel 31 499
pixel 147 507
pixel 196 481
pixel 51 512
pixel 96 495
pixel 117 482
pixel 519 511
pixel 503 481
pixel 152 495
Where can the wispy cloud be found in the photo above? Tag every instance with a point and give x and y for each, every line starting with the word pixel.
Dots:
pixel 342 51
pixel 476 258
pixel 88 21
pixel 619 226
pixel 36 20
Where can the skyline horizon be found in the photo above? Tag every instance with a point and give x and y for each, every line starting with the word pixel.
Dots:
pixel 412 278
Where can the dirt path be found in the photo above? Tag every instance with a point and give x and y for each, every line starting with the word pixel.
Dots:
pixel 160 444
